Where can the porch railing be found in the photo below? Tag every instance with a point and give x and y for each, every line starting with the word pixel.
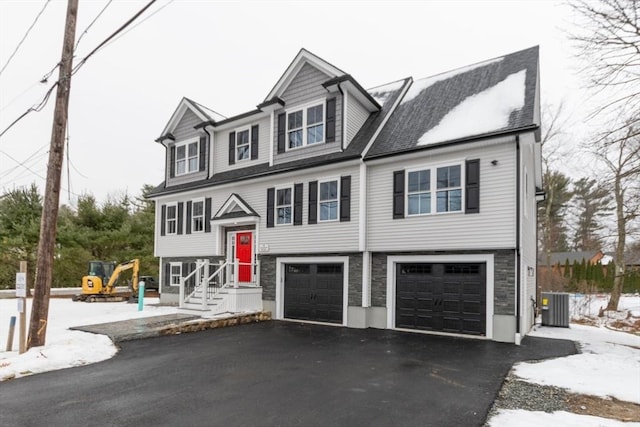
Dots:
pixel 208 286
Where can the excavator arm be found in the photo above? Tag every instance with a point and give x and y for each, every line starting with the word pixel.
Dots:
pixel 124 266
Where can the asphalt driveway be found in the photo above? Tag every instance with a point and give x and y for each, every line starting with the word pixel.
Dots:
pixel 280 374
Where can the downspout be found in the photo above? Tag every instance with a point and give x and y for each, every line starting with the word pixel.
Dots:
pixel 343 124
pixel 518 236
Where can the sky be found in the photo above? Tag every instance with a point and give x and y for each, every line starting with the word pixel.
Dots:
pixel 227 56
pixel 606 366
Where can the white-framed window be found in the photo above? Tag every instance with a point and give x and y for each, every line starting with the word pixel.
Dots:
pixel 434 190
pixel 306 126
pixel 172 219
pixel 284 205
pixel 197 216
pixel 328 200
pixel 243 145
pixel 175 273
pixel 187 157
pixel 419 192
pixel 449 188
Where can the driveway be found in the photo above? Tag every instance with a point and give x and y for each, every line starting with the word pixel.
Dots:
pixel 277 373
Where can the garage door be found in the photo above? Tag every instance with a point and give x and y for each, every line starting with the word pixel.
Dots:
pixel 313 292
pixel 446 297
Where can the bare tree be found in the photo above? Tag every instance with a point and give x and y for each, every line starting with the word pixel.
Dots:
pixel 621 156
pixel 608 39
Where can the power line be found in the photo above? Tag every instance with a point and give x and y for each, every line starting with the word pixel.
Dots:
pixel 35 108
pixel 141 22
pixel 31 157
pixel 86 30
pixel 25 35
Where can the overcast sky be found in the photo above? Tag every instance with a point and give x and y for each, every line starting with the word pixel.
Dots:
pixel 227 56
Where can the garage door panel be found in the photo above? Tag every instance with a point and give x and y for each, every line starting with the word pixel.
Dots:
pixel 314 292
pixel 448 297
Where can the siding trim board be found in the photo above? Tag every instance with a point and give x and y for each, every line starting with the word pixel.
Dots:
pixel 280 276
pixel 488 259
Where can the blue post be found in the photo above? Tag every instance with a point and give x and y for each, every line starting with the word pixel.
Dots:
pixel 140 296
pixel 12 327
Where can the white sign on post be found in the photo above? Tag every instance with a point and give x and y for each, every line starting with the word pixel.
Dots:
pixel 21 285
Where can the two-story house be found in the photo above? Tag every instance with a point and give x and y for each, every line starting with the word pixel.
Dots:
pixel 407 206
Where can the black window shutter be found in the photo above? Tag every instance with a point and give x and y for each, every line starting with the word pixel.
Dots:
pixel 167 274
pixel 188 224
pixel 232 148
pixel 185 272
pixel 172 162
pixel 282 132
pixel 331 120
pixel 313 202
pixel 398 194
pixel 345 198
pixel 207 215
pixel 297 204
pixel 472 190
pixel 180 219
pixel 163 220
pixel 271 201
pixel 203 153
pixel 254 142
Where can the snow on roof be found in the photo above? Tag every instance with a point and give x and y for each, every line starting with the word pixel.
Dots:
pixel 382 93
pixel 484 112
pixel 421 84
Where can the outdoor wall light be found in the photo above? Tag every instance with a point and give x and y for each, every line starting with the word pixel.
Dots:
pixel 494 162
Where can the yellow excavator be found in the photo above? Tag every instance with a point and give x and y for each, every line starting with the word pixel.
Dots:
pixel 100 283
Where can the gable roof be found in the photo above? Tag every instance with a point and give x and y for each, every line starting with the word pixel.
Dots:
pixel 234 207
pixel 489 98
pixel 303 57
pixel 203 113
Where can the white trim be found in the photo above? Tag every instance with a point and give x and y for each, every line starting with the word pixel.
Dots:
pixel 246 220
pixel 366 279
pixel 171 265
pixel 271 132
pixel 433 188
pixel 275 205
pixel 345 107
pixel 338 183
pixel 470 258
pixel 280 263
pixel 362 214
pixel 166 219
pixel 247 129
pixel 322 102
pixel 193 202
pixel 232 202
pixel 303 57
pixel 179 112
pixel 186 143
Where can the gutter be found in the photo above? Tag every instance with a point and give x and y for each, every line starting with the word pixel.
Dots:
pixel 518 237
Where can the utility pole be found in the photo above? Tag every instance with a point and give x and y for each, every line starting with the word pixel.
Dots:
pixel 48 223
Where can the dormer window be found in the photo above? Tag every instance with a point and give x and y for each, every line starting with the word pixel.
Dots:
pixel 187 157
pixel 306 126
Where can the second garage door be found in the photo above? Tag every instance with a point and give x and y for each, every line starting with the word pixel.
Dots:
pixel 441 297
pixel 314 292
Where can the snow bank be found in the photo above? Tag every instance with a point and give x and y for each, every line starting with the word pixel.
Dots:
pixel 522 418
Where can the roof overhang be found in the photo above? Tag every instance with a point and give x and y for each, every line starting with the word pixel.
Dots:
pixel 184 105
pixel 348 83
pixel 235 209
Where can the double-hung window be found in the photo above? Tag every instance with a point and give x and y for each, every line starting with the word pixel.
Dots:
pixel 306 126
pixel 436 189
pixel 197 216
pixel 187 158
pixel 449 189
pixel 243 148
pixel 176 273
pixel 172 219
pixel 283 206
pixel 328 200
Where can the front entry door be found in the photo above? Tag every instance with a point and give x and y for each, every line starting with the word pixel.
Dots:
pixel 244 249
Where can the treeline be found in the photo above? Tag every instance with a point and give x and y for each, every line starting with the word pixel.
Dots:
pixel 118 229
pixel 583 276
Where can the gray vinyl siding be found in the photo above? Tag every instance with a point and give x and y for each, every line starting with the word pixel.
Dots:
pixel 493 227
pixel 356 116
pixel 304 89
pixel 285 239
pixel 184 131
pixel 221 147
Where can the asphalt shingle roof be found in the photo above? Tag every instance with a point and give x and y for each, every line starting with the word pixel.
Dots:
pixel 422 110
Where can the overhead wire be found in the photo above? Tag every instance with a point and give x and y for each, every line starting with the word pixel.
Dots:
pixel 25 36
pixel 30 158
pixel 86 30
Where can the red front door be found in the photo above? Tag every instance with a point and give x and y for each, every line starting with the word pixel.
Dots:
pixel 244 246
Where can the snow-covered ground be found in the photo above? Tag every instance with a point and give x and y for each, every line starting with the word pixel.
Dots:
pixel 609 365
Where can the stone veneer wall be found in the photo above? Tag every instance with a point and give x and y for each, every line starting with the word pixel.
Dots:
pixel 504 277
